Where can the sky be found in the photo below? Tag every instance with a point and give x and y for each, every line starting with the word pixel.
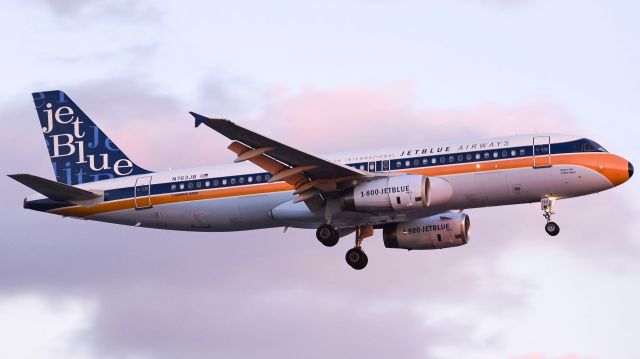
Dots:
pixel 326 77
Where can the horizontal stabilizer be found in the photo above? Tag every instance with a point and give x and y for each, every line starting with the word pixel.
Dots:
pixel 58 191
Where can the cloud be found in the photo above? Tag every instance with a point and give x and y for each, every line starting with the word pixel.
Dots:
pixel 351 118
pixel 51 337
pixel 161 294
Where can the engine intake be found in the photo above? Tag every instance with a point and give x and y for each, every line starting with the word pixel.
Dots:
pixel 396 193
pixel 435 232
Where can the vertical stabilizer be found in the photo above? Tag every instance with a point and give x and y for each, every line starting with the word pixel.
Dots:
pixel 80 152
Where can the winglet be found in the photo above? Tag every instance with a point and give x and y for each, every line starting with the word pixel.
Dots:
pixel 199 118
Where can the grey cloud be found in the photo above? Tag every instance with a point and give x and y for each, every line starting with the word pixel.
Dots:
pixel 259 293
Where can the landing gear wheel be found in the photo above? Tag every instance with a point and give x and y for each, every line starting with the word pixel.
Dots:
pixel 327 235
pixel 552 228
pixel 356 258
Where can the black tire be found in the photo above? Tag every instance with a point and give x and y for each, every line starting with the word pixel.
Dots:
pixel 552 228
pixel 327 235
pixel 356 258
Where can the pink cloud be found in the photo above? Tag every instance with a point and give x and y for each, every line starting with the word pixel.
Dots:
pixel 356 117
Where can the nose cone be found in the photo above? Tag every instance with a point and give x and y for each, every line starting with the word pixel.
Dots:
pixel 617 169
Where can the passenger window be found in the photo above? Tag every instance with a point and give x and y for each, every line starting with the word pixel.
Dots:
pixel 495 154
pixel 207 183
pixel 425 161
pixel 258 178
pixel 442 159
pixel 173 187
pixel 215 183
pixel 486 155
pixel 477 156
pixel 198 184
pixel 522 152
pixel 460 158
pixel 267 176
pixel 224 182
pixel 407 163
pixel 451 159
pixel 469 157
pixel 241 180
pixel 181 185
pixel 250 179
pixel 513 153
pixel 398 164
pixel 190 185
pixel 434 160
pixel 232 180
pixel 504 153
pixel 416 162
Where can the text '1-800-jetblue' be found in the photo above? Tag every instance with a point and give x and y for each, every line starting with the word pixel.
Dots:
pixel 415 195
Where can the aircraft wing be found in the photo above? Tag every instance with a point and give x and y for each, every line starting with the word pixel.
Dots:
pixel 307 173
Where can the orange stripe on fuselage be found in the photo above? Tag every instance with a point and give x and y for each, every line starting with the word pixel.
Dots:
pixel 613 167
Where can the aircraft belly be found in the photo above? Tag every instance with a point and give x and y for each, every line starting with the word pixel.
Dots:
pixel 523 185
pixel 215 215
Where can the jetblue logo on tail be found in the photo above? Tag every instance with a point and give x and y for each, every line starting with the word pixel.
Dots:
pixel 80 152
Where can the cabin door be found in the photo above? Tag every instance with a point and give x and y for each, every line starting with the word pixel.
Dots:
pixel 541 151
pixel 142 192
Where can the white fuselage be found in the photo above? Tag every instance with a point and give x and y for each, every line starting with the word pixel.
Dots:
pixel 492 172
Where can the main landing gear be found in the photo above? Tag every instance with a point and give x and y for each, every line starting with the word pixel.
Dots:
pixel 552 228
pixel 355 256
pixel 327 235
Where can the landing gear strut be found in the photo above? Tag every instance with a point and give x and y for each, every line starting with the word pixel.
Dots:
pixel 552 228
pixel 327 235
pixel 356 257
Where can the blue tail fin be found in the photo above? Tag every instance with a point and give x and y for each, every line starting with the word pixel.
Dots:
pixel 80 152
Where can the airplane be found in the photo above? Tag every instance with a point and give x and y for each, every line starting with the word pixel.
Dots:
pixel 415 194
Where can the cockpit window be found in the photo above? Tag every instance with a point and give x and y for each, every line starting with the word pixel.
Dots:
pixel 586 145
pixel 591 146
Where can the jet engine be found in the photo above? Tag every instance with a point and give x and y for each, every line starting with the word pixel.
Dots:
pixel 435 232
pixel 396 193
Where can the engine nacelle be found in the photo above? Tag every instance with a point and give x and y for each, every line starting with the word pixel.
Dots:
pixel 435 232
pixel 396 193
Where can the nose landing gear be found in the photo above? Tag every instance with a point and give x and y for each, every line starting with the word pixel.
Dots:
pixel 552 228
